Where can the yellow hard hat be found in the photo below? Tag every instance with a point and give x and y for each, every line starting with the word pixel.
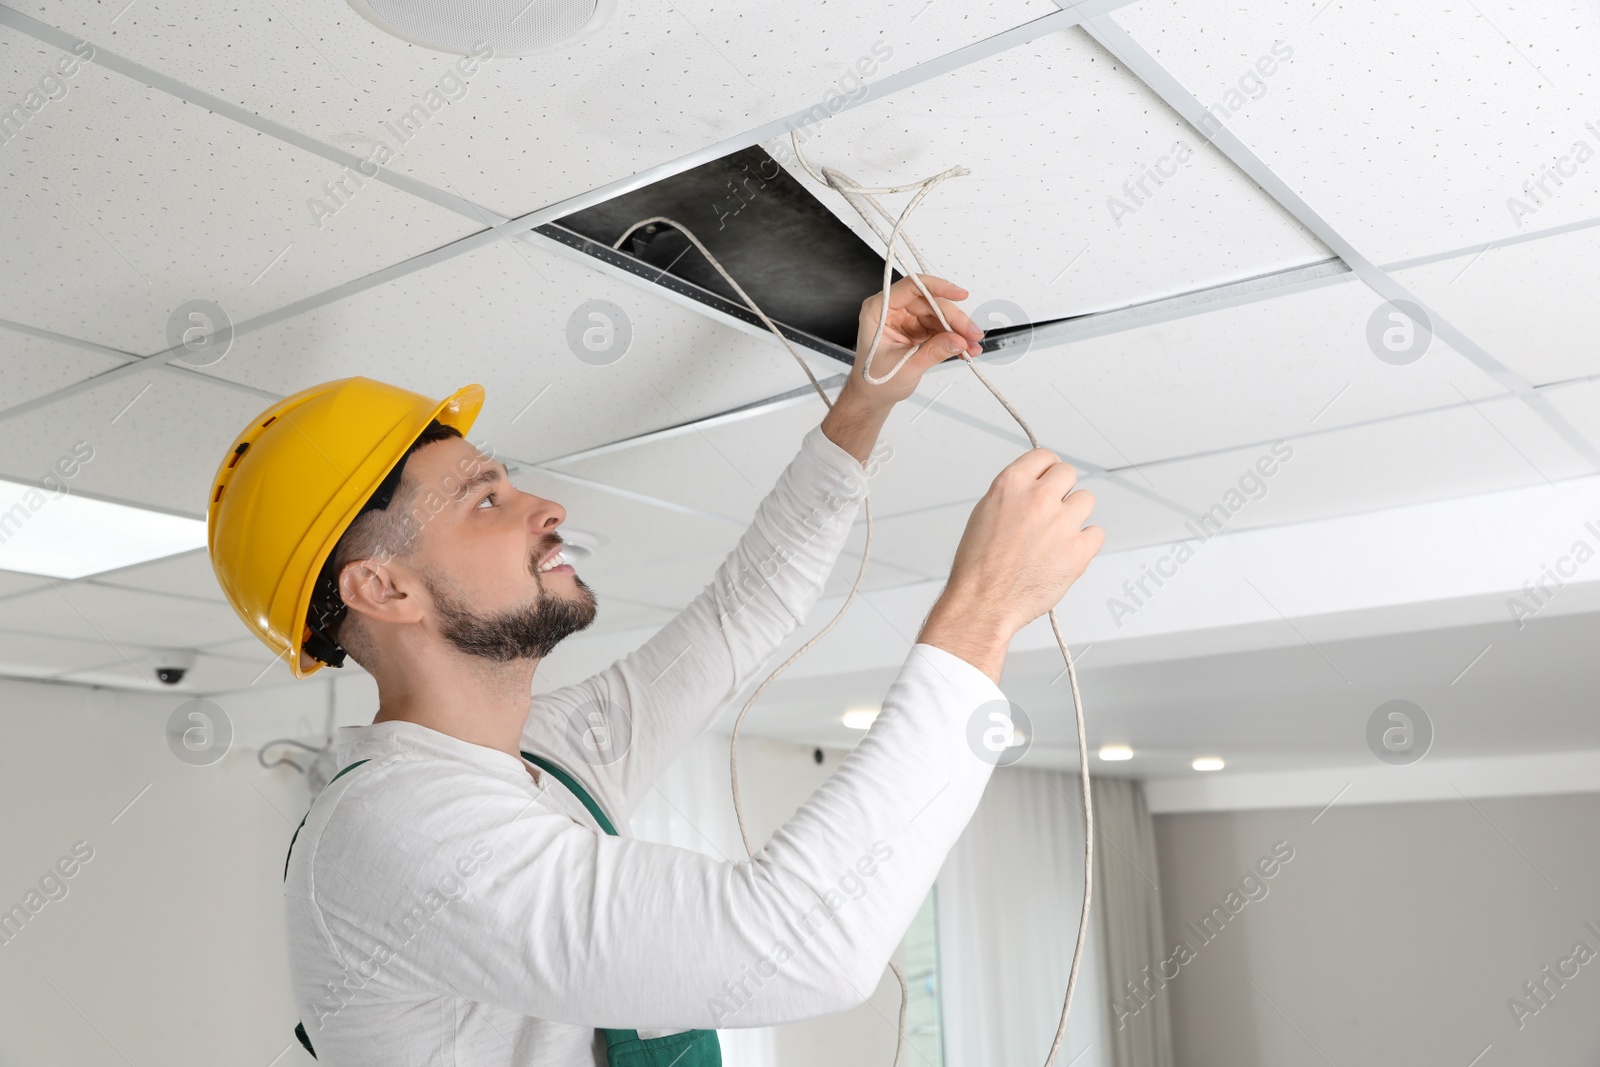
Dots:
pixel 294 481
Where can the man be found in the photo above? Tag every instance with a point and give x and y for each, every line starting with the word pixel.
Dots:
pixel 453 902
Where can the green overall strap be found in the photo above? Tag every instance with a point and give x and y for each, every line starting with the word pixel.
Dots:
pixel 307 815
pixel 625 1048
pixel 300 1028
pixel 577 790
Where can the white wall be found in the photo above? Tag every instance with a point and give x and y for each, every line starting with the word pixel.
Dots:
pixel 1397 934
pixel 168 947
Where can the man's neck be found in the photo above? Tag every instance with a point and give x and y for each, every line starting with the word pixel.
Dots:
pixel 475 701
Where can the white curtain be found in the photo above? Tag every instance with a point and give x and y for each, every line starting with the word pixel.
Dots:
pixel 1009 898
pixel 691 806
pixel 1127 883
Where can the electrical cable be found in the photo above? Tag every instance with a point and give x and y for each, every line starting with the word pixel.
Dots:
pixel 856 195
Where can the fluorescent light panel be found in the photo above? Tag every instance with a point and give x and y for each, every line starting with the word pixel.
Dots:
pixel 61 535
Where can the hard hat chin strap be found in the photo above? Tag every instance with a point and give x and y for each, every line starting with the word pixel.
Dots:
pixel 327 608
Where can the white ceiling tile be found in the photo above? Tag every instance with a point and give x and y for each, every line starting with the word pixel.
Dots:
pixel 1051 131
pixel 931 461
pixel 125 621
pixel 1530 304
pixel 127 202
pixel 12 582
pixel 658 81
pixel 1580 403
pixel 1255 372
pixel 927 459
pixel 186 574
pixel 498 316
pixel 632 532
pixel 883 572
pixel 32 366
pixel 1408 127
pixel 923 541
pixel 666 582
pixel 1438 455
pixel 157 440
pixel 670 584
pixel 725 469
pixel 36 655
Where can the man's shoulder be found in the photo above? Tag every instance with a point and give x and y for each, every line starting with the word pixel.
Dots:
pixel 396 807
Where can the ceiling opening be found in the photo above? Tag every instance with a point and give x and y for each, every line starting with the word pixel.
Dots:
pixel 801 265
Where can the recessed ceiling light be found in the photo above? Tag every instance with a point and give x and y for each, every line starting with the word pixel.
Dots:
pixel 1208 763
pixel 65 535
pixel 1115 752
pixel 859 718
pixel 509 27
pixel 578 545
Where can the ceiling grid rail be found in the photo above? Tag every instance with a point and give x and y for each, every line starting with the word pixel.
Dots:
pixel 498 226
pixel 1092 15
pixel 1143 65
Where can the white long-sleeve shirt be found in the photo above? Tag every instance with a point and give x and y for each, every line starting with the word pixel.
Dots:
pixel 453 904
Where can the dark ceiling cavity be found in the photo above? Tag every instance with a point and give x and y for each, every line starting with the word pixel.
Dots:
pixel 800 264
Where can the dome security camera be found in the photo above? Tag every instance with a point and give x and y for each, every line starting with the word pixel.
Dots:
pixel 172 665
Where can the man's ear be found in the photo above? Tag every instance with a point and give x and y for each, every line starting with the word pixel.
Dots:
pixel 374 588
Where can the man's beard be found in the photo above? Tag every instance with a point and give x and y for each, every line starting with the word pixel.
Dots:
pixel 530 632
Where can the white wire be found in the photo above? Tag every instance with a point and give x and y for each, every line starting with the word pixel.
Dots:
pixel 855 195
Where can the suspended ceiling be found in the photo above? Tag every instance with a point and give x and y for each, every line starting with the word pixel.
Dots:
pixel 1199 319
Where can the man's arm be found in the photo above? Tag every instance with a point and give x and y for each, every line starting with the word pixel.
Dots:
pixel 618 729
pixel 623 725
pixel 854 425
pixel 429 879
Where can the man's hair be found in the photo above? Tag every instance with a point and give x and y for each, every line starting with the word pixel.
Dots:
pixel 378 532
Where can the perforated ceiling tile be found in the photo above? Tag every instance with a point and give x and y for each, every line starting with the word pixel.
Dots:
pixel 1579 402
pixel 1411 128
pixel 1277 368
pixel 725 470
pixel 125 621
pixel 125 203
pixel 673 582
pixel 924 540
pixel 517 134
pixel 1086 192
pixel 632 532
pixel 153 440
pixel 1466 450
pixel 925 459
pixel 501 316
pixel 881 574
pixel 33 366
pixel 1530 304
pixel 28 654
pixel 188 574
pixel 13 582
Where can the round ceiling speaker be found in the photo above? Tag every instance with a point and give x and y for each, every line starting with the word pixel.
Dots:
pixel 511 27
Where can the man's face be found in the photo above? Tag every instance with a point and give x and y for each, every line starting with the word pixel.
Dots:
pixel 480 551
